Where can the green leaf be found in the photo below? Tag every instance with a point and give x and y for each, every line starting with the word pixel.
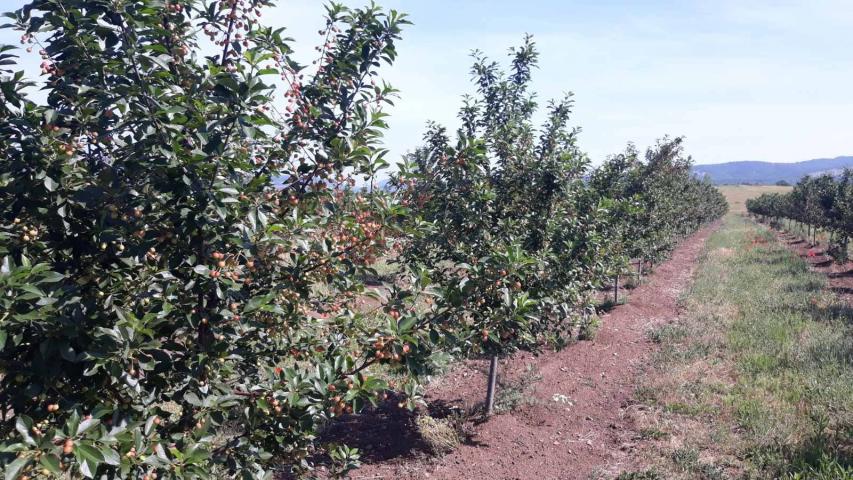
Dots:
pixel 86 425
pixel 89 458
pixel 111 457
pixel 14 468
pixel 406 323
pixel 52 277
pixel 23 424
pixel 51 462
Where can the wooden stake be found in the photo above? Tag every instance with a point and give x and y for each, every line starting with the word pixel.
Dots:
pixel 490 390
pixel 616 289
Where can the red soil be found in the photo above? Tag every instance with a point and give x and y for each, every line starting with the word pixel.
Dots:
pixel 572 421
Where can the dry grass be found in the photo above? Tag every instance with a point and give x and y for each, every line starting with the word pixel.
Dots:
pixel 737 195
pixel 440 435
pixel 684 419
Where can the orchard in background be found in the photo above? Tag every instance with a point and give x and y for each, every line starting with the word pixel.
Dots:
pixel 515 228
pixel 823 202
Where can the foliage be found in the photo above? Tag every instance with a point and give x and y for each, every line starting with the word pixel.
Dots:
pixel 183 240
pixel 511 233
pixel 663 200
pixel 180 255
pixel 824 202
pixel 516 228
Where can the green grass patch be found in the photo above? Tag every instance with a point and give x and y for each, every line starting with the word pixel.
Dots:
pixel 643 475
pixel 790 343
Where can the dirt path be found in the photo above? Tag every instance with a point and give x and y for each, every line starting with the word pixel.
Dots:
pixel 572 423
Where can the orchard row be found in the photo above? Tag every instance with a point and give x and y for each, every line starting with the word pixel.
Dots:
pixel 187 222
pixel 824 202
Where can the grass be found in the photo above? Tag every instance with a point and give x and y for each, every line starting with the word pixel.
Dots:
pixel 755 380
pixel 644 475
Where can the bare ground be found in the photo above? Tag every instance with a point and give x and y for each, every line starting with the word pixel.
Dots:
pixel 572 422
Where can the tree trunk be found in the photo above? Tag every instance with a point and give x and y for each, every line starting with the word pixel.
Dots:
pixel 490 390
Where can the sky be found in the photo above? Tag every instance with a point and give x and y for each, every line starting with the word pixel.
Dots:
pixel 741 80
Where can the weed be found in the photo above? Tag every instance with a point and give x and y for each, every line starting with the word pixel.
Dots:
pixel 653 434
pixel 709 471
pixel 644 475
pixel 589 328
pixel 686 459
pixel 667 333
pixel 828 468
pixel 646 395
pixel 511 397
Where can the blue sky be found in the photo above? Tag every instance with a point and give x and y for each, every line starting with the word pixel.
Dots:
pixel 742 80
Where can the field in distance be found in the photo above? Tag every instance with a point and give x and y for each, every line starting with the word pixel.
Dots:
pixel 737 195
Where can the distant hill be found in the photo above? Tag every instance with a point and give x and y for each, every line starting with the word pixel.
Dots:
pixel 767 173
